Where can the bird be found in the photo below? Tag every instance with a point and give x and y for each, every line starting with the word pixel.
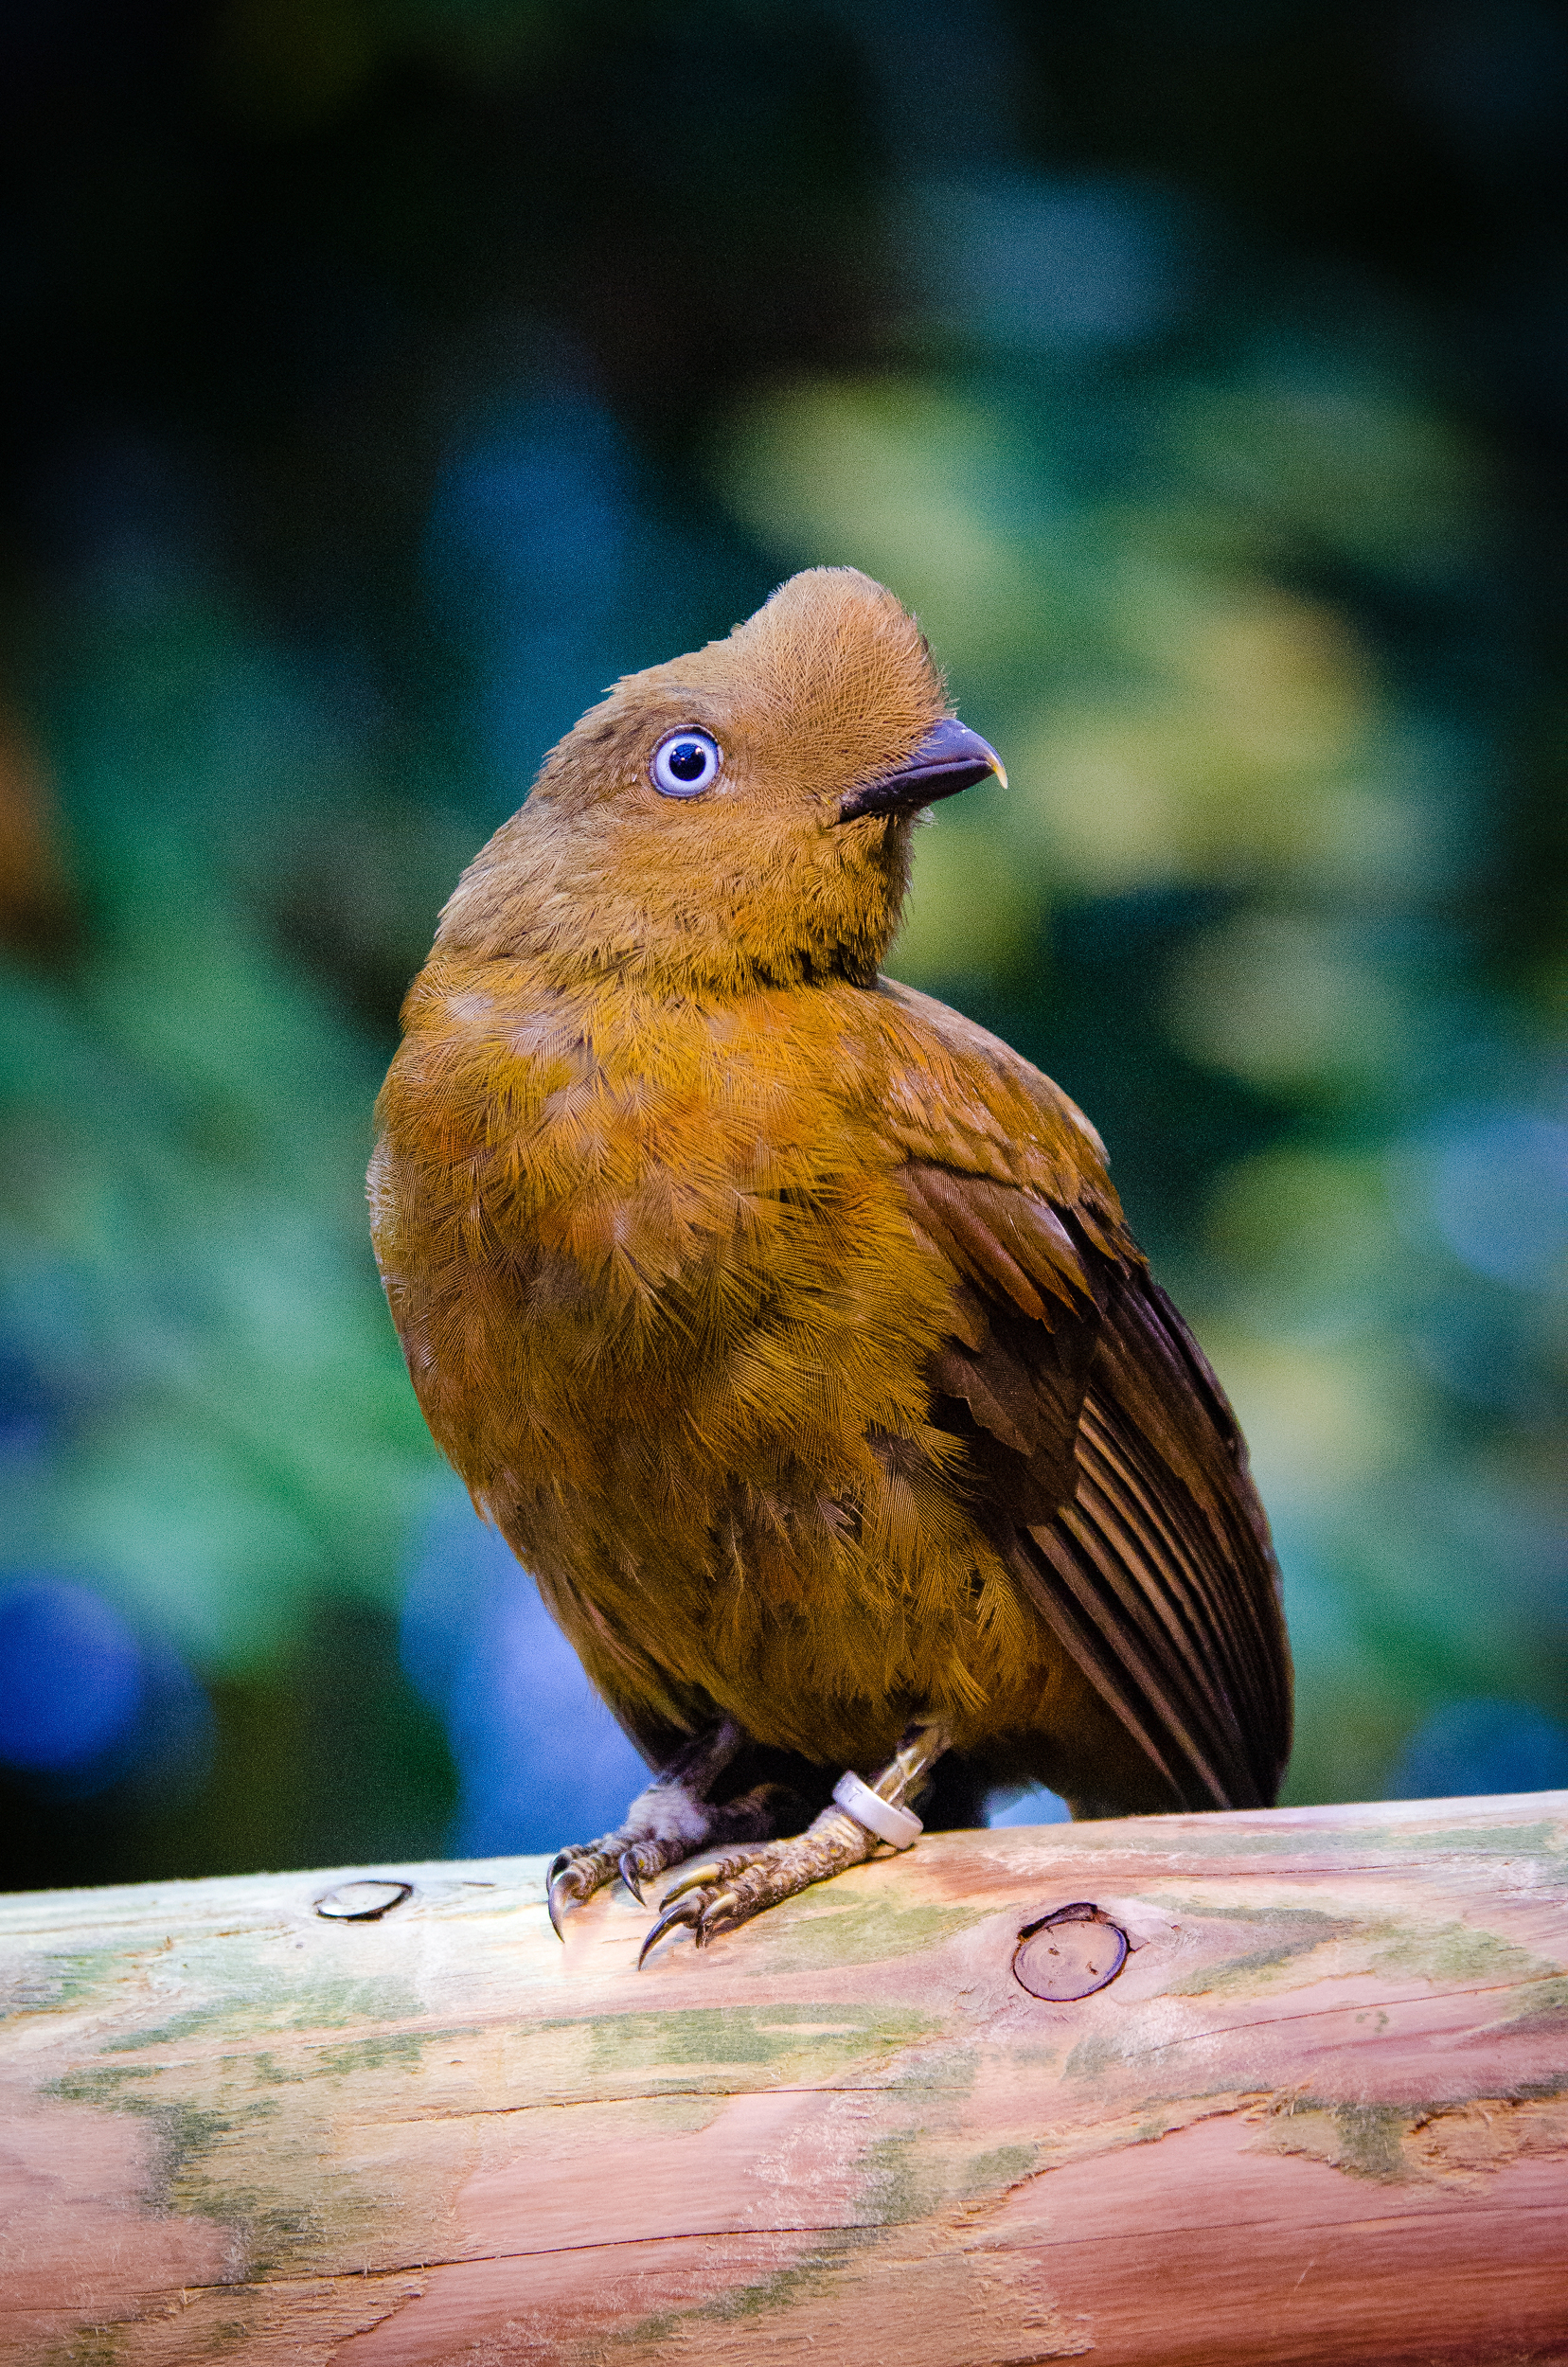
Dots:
pixel 786 1322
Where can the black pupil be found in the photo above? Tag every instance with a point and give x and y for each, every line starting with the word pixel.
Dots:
pixel 688 759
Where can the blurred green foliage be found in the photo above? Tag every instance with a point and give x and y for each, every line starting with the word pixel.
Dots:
pixel 396 374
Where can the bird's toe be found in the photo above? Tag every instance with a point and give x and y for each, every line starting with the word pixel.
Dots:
pixel 725 1890
pixel 575 1874
pixel 712 1870
pixel 718 1915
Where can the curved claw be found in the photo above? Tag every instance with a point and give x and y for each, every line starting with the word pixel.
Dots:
pixel 562 1890
pixel 628 1876
pixel 686 1912
pixel 708 1923
pixel 694 1878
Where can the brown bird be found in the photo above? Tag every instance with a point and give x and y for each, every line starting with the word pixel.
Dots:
pixel 785 1323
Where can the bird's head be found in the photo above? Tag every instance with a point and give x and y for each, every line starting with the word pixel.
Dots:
pixel 740 817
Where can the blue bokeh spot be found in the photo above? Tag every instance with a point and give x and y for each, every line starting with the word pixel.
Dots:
pixel 1500 1196
pixel 70 1677
pixel 540 1761
pixel 1034 1805
pixel 1474 1747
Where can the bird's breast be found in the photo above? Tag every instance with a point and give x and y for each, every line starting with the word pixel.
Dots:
pixel 606 1220
pixel 667 1313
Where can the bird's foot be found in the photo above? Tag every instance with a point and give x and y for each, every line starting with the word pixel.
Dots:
pixel 664 1824
pixel 729 1888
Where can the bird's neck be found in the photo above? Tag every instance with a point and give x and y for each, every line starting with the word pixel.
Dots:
pixel 575 922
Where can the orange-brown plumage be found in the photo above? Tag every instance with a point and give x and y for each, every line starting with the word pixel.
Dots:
pixel 785 1323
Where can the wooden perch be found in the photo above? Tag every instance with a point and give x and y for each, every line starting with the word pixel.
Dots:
pixel 1320 2111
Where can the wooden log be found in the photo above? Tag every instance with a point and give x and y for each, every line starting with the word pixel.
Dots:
pixel 1318 2115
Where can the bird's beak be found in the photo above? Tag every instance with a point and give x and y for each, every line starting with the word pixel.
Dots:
pixel 949 758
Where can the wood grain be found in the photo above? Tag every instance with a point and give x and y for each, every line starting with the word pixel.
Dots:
pixel 1320 2115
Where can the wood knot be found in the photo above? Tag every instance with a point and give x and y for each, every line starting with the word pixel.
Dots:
pixel 1069 1953
pixel 362 1902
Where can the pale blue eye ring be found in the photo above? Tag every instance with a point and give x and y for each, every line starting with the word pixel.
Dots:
pixel 685 763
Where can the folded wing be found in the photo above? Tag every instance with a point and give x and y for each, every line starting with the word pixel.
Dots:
pixel 1110 1468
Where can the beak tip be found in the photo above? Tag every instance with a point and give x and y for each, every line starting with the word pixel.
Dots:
pixel 949 758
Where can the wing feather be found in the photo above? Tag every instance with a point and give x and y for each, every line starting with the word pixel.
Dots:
pixel 1108 1463
pixel 1157 1573
pixel 1114 1476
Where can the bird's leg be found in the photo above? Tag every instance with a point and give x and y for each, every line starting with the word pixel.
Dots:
pixel 666 1823
pixel 733 1885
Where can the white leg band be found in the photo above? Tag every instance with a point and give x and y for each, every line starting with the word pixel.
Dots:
pixel 899 1826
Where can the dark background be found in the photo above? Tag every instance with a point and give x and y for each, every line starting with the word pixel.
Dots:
pixel 383 377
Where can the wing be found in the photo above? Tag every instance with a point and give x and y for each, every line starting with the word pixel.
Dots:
pixel 1112 1474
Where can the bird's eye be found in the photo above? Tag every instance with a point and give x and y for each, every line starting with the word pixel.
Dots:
pixel 685 763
